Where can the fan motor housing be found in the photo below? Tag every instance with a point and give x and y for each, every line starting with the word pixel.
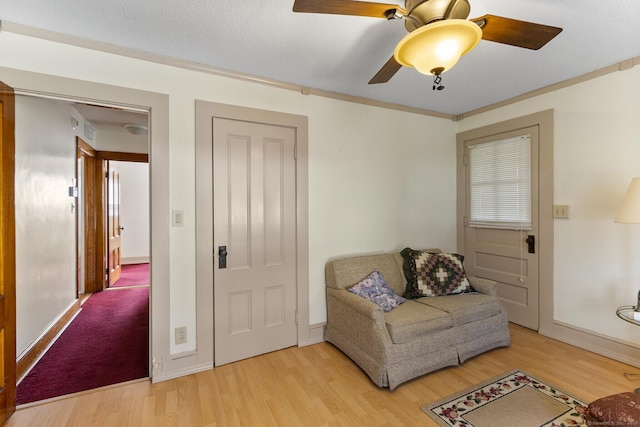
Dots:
pixel 426 11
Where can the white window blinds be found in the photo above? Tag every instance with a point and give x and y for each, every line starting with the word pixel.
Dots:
pixel 500 184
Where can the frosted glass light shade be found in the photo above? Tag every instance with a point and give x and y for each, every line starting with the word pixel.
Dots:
pixel 630 211
pixel 438 45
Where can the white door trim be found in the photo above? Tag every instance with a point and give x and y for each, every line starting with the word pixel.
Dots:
pixel 205 111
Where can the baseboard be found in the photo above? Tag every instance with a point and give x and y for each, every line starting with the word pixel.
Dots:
pixel 30 356
pixel 134 260
pixel 622 351
pixel 316 335
pixel 171 375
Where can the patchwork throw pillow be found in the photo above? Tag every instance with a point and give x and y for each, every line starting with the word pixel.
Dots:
pixel 375 289
pixel 432 274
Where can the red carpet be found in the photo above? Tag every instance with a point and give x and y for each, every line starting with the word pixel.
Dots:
pixel 107 343
pixel 133 274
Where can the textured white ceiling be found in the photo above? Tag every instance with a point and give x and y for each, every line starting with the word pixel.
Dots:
pixel 341 53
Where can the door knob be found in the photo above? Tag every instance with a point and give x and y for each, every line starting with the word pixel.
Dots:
pixel 222 257
pixel 531 241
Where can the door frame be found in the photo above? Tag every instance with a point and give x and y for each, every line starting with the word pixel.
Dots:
pixel 89 181
pixel 205 111
pixel 544 121
pixel 7 252
pixel 105 157
pixel 157 105
pixel 96 240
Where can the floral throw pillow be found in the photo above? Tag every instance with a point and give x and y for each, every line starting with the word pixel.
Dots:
pixel 375 289
pixel 432 274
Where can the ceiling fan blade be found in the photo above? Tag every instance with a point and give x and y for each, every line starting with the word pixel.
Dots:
pixel 387 71
pixel 346 7
pixel 514 32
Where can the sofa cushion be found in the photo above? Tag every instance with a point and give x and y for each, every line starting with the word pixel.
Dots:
pixel 434 274
pixel 464 308
pixel 412 320
pixel 375 289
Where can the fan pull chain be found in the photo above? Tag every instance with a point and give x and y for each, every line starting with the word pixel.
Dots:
pixel 436 82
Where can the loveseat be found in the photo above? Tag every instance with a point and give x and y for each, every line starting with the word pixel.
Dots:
pixel 416 337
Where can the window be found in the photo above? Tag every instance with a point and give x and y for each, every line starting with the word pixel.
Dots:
pixel 500 184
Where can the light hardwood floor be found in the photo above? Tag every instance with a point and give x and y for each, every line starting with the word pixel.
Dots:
pixel 319 386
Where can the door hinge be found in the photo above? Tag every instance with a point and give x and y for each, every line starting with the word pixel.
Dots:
pixel 296 317
pixel 106 175
pixel 106 271
pixel 465 221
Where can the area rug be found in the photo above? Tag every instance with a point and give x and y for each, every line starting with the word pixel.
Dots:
pixel 514 398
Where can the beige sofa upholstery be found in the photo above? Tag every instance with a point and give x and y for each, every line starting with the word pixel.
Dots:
pixel 415 338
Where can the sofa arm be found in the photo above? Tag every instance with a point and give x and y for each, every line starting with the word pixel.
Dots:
pixel 485 286
pixel 360 322
pixel 357 303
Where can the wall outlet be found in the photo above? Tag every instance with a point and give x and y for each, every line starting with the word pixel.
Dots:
pixel 181 335
pixel 157 364
pixel 561 211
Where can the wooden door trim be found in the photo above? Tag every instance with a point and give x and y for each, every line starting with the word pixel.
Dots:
pixel 93 253
pixel 7 252
pixel 544 121
pixel 112 214
pixel 84 147
pixel 123 157
pixel 94 210
pixel 98 209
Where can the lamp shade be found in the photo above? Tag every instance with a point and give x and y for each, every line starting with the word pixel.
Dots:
pixel 630 211
pixel 436 47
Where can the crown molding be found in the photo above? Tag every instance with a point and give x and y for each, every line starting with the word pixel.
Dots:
pixel 620 66
pixel 52 36
pixel 304 90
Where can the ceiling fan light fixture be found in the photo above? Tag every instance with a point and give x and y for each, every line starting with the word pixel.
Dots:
pixel 437 47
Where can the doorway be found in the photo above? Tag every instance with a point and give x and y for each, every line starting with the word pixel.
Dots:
pixel 56 87
pixel 44 163
pixel 521 265
pixel 207 280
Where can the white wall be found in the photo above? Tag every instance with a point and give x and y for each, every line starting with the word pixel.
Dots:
pixel 597 152
pixel 46 265
pixel 134 210
pixel 378 179
pixel 112 139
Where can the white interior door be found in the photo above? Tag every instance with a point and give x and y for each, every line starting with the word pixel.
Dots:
pixel 500 253
pixel 254 238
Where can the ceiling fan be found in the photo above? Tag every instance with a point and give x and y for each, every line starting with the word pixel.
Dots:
pixel 430 20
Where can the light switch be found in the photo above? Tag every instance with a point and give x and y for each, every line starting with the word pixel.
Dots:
pixel 562 211
pixel 177 218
